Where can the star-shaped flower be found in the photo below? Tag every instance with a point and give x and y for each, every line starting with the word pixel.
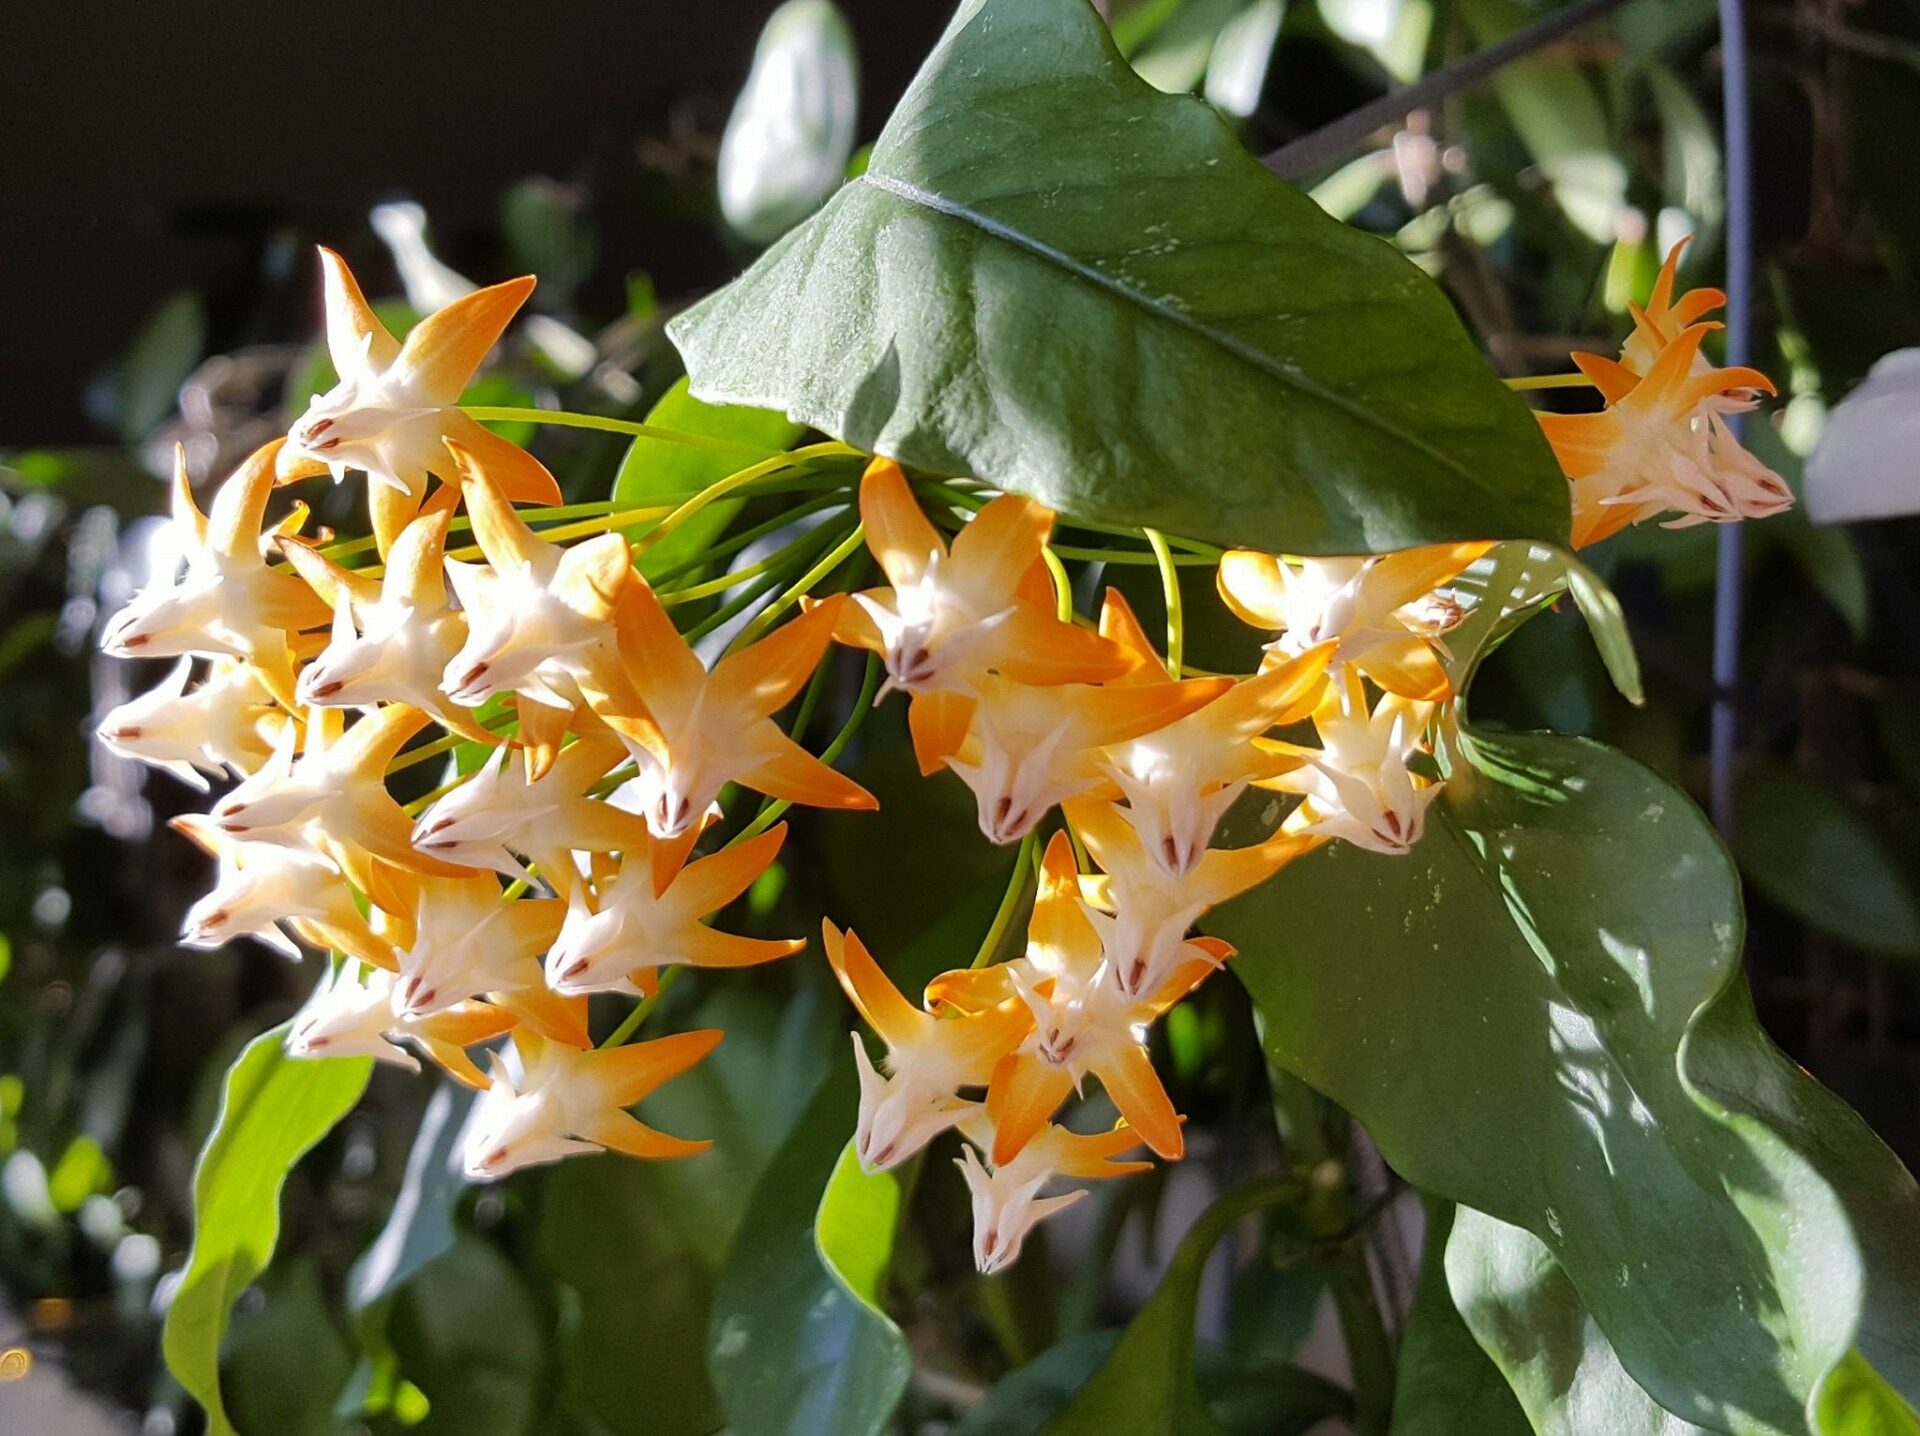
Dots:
pixel 226 603
pixel 228 724
pixel 1359 786
pixel 693 731
pixel 395 407
pixel 1029 748
pixel 951 617
pixel 1006 1199
pixel 470 942
pixel 1181 779
pixel 261 885
pixel 628 931
pixel 351 1014
pixel 929 1059
pixel 498 816
pixel 566 1101
pixel 1374 609
pixel 392 640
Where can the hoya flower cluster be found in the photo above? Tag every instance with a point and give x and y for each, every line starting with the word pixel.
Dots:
pixel 583 854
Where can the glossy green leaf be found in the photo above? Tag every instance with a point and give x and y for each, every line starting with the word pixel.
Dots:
pixel 854 1228
pixel 1854 1400
pixel 273 1108
pixel 793 1349
pixel 1146 1385
pixel 1514 582
pixel 1536 1014
pixel 420 1226
pixel 1055 278
pixel 658 471
pixel 792 130
pixel 1444 1382
pixel 797 1344
pixel 1529 1319
pixel 1811 851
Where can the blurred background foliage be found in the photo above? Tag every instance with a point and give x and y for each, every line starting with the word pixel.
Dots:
pixel 1542 202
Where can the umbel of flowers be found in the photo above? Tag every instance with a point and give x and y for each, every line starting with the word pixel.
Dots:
pixel 585 854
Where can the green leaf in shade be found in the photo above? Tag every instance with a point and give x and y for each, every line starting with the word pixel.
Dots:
pixel 420 1226
pixel 797 1342
pixel 1529 1319
pixel 1146 1385
pixel 1443 1381
pixel 273 1109
pixel 143 386
pixel 1059 280
pixel 468 1334
pixel 1816 855
pixel 1022 1402
pixel 659 471
pixel 792 130
pixel 1536 1013
pixel 287 1362
pixel 1855 1401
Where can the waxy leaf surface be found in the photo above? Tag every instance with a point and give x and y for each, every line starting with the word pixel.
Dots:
pixel 1058 279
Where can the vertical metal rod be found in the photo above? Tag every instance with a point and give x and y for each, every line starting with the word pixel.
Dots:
pixel 1727 595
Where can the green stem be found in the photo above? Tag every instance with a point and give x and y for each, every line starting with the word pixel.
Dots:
pixel 835 556
pixel 1329 1211
pixel 745 538
pixel 862 705
pixel 1062 585
pixel 1575 380
pixel 566 419
pixel 1170 586
pixel 1017 887
pixel 630 1024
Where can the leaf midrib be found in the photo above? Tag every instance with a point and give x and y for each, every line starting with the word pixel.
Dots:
pixel 1258 359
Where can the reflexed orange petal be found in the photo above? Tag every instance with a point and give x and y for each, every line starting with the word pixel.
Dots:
pixel 871 990
pixel 355 336
pixel 1136 1090
pixel 560 1019
pixel 901 536
pixel 707 948
pixel 443 351
pixel 239 509
pixel 710 883
pixel 763 678
pixel 1035 647
pixel 1000 543
pixel 791 772
pixel 1251 586
pixel 1119 624
pixel 629 1073
pixel 1406 666
pixel 327 578
pixel 938 724
pixel 1023 1094
pixel 514 472
pixel 623 1132
pixel 1413 573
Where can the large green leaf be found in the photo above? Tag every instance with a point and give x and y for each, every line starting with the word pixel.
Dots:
pixel 1536 1014
pixel 273 1108
pixel 1056 278
pixel 468 1334
pixel 1529 1319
